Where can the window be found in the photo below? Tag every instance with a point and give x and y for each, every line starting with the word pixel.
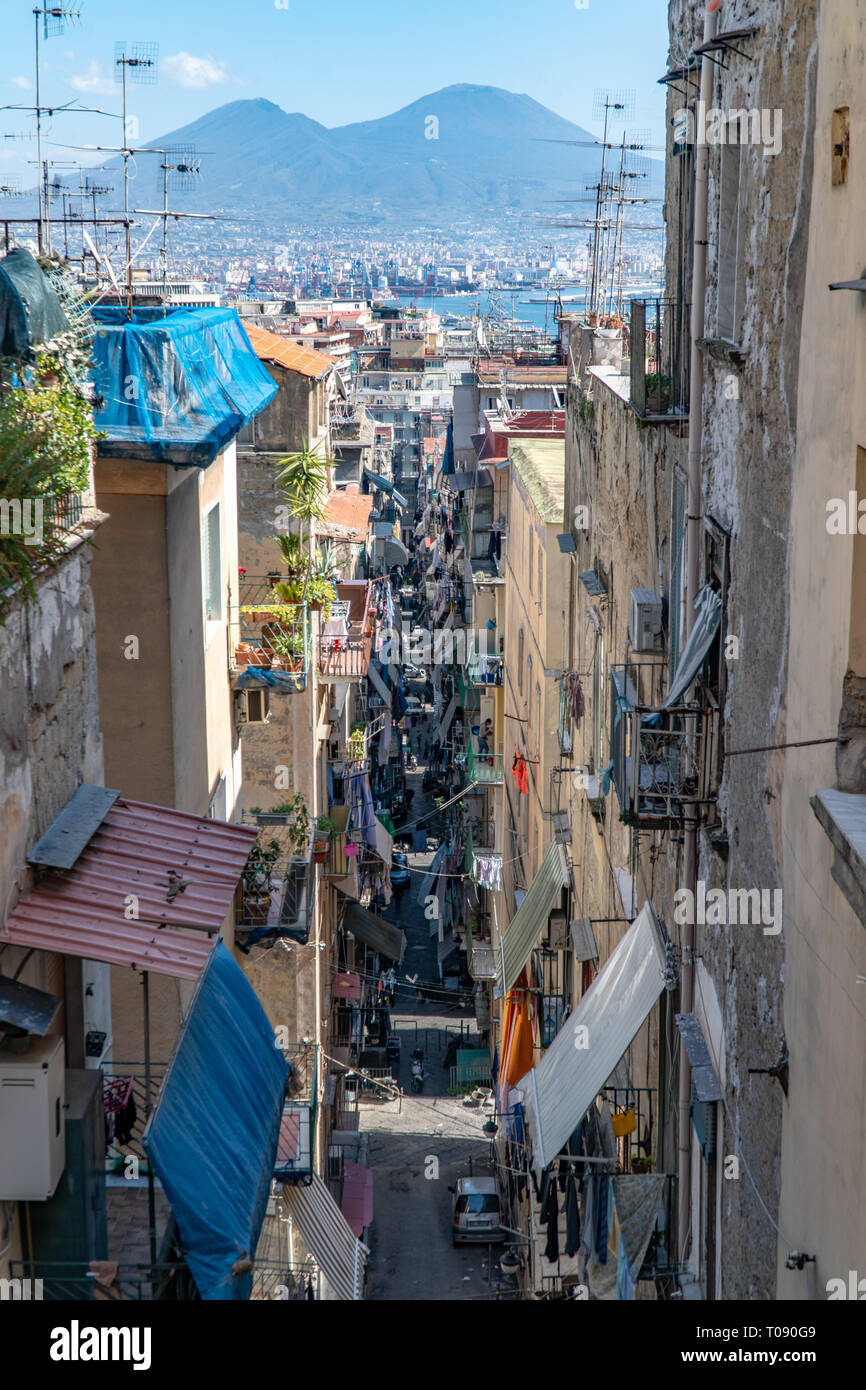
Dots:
pixel 258 706
pixel 531 556
pixel 539 732
pixel 599 685
pixel 213 605
pixel 540 578
pixel 731 244
pixel 218 807
pixel 841 136
pixel 520 662
pixel 676 585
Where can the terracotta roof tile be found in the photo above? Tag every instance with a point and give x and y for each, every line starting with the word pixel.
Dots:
pixel 270 347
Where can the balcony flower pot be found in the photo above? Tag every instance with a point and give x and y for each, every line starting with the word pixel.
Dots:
pixel 350 850
pixel 320 851
pixel 658 393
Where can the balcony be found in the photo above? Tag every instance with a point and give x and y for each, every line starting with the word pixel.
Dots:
pixel 482 767
pixel 346 641
pixel 662 759
pixel 659 390
pixel 273 637
pixel 485 670
pixel 277 899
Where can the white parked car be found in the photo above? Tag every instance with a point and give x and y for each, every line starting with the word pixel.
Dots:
pixel 476 1211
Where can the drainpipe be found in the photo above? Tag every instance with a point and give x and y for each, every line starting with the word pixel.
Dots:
pixel 693 549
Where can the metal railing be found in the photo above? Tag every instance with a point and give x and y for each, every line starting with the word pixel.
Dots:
pixel 483 767
pixel 485 670
pixel 132 1120
pixel 659 359
pixel 273 635
pixel 662 759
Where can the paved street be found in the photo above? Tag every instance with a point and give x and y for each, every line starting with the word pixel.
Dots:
pixel 418 1147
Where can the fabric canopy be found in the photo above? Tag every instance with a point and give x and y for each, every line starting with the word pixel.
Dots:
pixel 329 1238
pixel 524 929
pixel 212 1135
pixel 708 608
pixel 375 932
pixel 587 1048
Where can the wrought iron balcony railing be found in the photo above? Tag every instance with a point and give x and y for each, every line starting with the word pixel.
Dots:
pixel 274 636
pixel 659 359
pixel 662 759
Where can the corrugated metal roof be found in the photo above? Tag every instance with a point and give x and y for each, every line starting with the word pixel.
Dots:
pixel 270 347
pixel 173 869
pixel 527 924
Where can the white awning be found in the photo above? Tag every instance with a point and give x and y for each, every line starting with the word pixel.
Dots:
pixel 384 841
pixel 431 875
pixel 526 926
pixel 379 684
pixel 585 1051
pixel 447 717
pixel 329 1238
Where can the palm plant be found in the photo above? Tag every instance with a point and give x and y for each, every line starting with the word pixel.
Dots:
pixel 303 476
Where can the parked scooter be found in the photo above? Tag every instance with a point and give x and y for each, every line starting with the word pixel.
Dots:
pixel 419 1076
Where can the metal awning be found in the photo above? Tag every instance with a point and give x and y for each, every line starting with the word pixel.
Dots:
pixel 385 485
pixel 526 926
pixel 445 723
pixel 357 1203
pixel 22 1006
pixel 174 871
pixel 346 986
pixel 585 1051
pixel 432 874
pixel 583 939
pixel 375 677
pixel 375 932
pixel 395 552
pixel 212 1135
pixel 462 482
pixel 708 1088
pixel 329 1238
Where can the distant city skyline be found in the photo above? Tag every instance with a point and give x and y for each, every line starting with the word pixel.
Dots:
pixel 336 62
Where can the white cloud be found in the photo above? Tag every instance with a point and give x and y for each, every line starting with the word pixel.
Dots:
pixel 23 82
pixel 189 71
pixel 92 81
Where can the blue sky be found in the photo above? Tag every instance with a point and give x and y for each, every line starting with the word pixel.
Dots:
pixel 335 60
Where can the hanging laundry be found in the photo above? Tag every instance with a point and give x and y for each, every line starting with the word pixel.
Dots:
pixel 487 870
pixel 518 772
pixel 572 1217
pixel 551 1249
pixel 573 692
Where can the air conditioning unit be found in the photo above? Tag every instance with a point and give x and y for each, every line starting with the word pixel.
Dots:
pixel 558 931
pixel 32 1120
pixel 645 621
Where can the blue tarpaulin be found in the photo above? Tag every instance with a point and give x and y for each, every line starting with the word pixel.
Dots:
pixel 30 312
pixel 175 387
pixel 212 1135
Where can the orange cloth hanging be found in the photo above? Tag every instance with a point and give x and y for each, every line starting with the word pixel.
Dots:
pixel 520 1050
pixel 518 772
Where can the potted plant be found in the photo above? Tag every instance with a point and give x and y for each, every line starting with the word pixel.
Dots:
pixel 324 832
pixel 658 393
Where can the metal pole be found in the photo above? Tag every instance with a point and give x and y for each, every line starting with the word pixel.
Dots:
pixel 36 16
pixel 693 546
pixel 126 195
pixel 151 1195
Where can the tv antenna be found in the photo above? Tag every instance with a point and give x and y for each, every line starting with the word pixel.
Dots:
pixel 133 62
